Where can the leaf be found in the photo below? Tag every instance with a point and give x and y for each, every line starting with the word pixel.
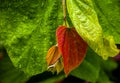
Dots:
pixel 109 65
pixel 105 74
pixel 103 78
pixel 72 47
pixel 89 68
pixel 27 30
pixel 94 68
pixel 85 20
pixel 109 17
pixel 54 60
pixel 9 74
pixel 57 66
pixel 53 55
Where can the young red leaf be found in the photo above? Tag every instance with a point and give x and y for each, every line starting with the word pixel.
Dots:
pixel 72 47
pixel 53 55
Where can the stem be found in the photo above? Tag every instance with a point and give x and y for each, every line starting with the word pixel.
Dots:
pixel 64 10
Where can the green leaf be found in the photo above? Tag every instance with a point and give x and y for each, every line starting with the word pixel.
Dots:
pixel 103 78
pixel 109 65
pixel 27 29
pixel 9 74
pixel 105 74
pixel 89 68
pixel 109 17
pixel 84 19
pixel 94 69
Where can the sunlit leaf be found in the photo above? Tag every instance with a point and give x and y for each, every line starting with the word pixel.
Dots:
pixel 27 30
pixel 85 20
pixel 72 47
pixel 109 17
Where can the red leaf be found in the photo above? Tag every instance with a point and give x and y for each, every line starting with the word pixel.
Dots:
pixel 72 47
pixel 53 55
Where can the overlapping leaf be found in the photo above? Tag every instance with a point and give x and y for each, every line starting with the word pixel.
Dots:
pixel 89 69
pixel 72 47
pixel 109 17
pixel 85 20
pixel 93 66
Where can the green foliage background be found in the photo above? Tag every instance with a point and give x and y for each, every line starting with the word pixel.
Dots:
pixel 27 30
